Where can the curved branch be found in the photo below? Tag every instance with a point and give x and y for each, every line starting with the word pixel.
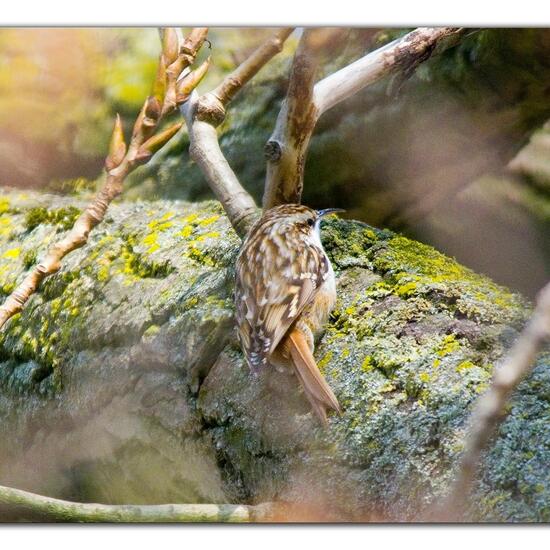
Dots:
pixel 126 513
pixel 402 54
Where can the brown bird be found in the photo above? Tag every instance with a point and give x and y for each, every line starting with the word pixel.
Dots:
pixel 284 292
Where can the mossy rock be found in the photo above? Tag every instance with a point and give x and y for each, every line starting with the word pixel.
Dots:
pixel 122 380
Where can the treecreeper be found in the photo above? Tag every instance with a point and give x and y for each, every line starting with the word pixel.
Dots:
pixel 284 292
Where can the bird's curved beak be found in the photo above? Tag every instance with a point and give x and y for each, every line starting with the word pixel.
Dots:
pixel 326 211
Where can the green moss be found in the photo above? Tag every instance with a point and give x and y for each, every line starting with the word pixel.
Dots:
pixel 139 266
pixel 29 258
pixel 63 217
pixel 200 256
pixel 71 186
pixel 416 273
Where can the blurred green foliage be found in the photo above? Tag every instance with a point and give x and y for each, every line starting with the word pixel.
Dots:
pixel 63 85
pixel 61 88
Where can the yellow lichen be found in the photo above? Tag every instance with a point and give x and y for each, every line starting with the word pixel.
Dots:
pixel 4 205
pixel 324 361
pixel 185 232
pixel 150 241
pixel 12 253
pixel 465 365
pixel 448 345
pixel 366 365
pixel 208 221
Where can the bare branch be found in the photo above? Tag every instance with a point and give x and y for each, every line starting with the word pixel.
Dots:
pixel 127 513
pixel 287 147
pixel 203 114
pixel 205 151
pixel 233 82
pixel 489 414
pixel 402 54
pixel 120 161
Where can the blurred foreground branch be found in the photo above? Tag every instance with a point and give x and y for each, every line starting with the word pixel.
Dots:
pixel 489 413
pixel 128 513
pixel 122 159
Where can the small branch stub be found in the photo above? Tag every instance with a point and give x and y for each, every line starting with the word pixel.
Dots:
pixel 273 150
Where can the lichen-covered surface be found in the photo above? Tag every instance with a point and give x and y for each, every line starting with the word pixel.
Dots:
pixel 122 381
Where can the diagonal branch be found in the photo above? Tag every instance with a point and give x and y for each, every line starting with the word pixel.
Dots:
pixel 203 114
pixel 233 82
pixel 403 54
pixel 130 513
pixel 205 151
pixel 121 161
pixel 286 150
pixel 489 413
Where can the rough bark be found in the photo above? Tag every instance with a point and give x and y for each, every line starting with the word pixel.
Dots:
pixel 490 410
pixel 122 382
pixel 286 149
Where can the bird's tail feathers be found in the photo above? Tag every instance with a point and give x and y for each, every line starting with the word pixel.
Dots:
pixel 317 391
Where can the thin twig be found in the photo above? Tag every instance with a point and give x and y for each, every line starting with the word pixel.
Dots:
pixel 488 413
pixel 120 161
pixel 233 82
pixel 91 512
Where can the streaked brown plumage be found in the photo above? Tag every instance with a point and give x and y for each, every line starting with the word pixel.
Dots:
pixel 284 292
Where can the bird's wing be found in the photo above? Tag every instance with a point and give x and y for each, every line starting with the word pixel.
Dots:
pixel 272 293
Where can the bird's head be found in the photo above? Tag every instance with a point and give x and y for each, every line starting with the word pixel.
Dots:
pixel 297 216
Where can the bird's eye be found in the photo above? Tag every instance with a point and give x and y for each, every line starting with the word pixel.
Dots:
pixel 311 222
